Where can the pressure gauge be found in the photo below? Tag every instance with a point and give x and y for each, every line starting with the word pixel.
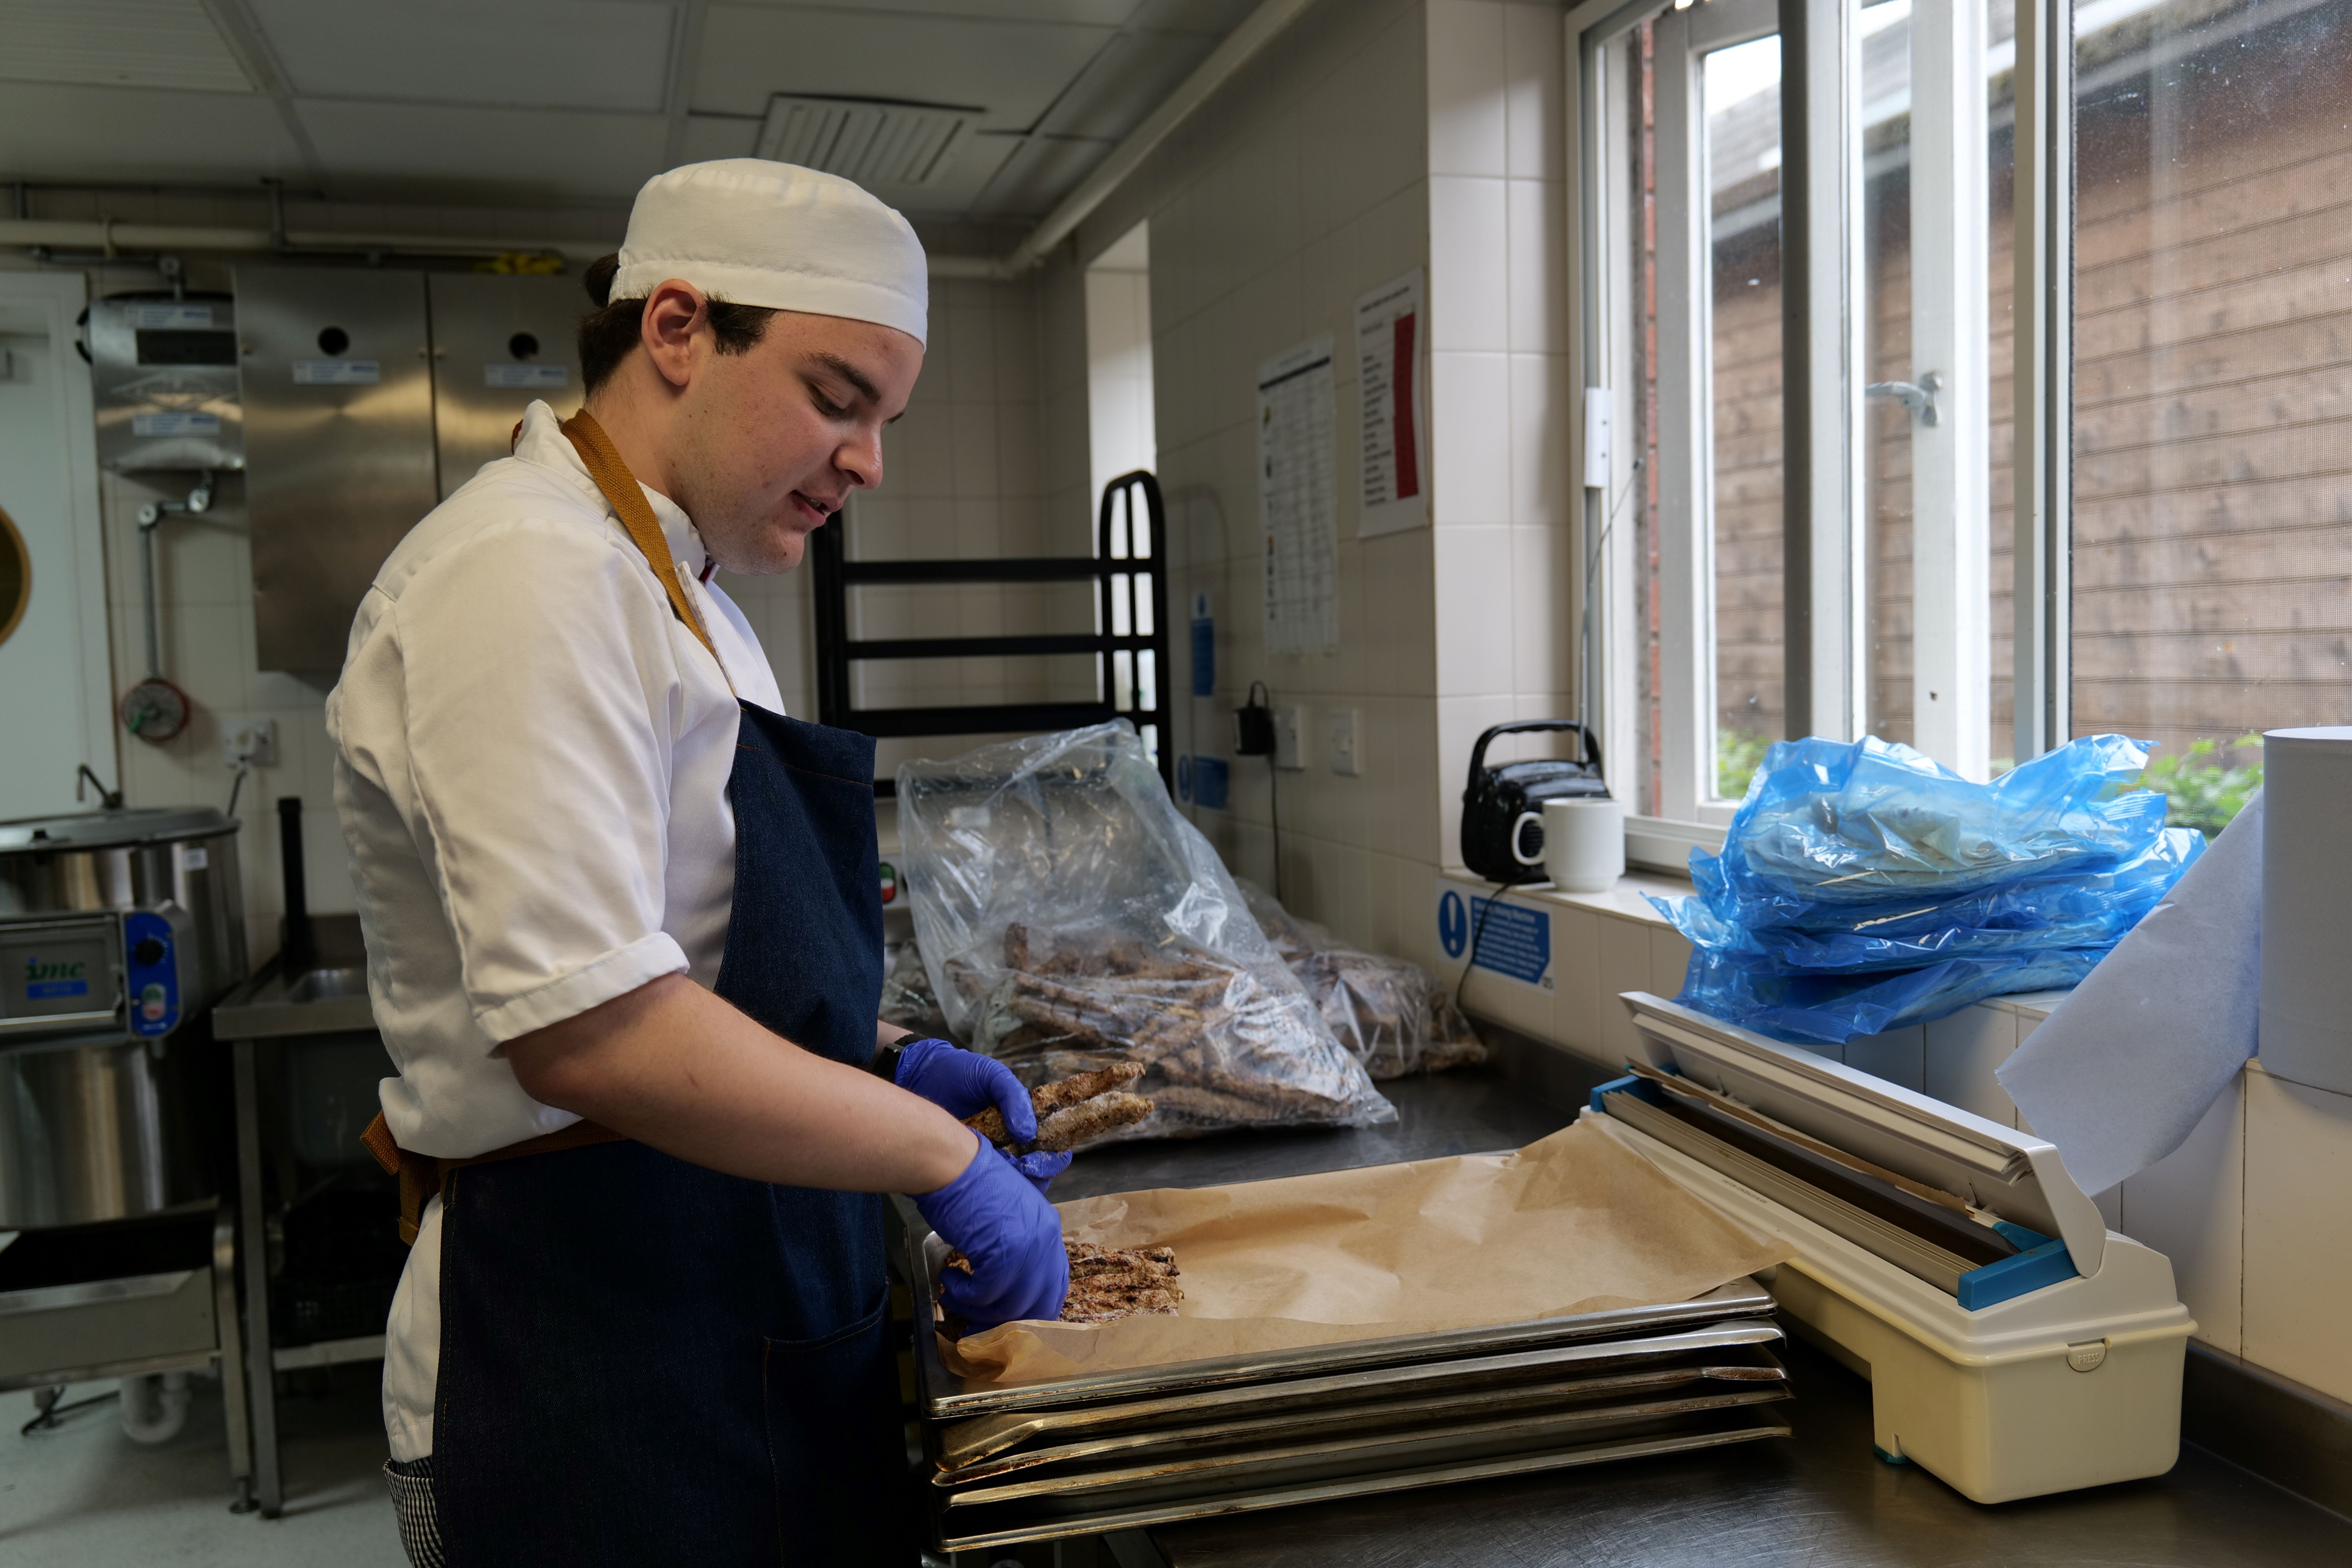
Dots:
pixel 155 709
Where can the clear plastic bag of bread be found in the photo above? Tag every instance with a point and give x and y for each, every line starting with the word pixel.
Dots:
pixel 1070 919
pixel 1393 1016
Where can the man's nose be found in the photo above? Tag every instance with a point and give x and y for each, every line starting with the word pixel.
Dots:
pixel 861 459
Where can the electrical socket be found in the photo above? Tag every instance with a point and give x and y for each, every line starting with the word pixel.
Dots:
pixel 1289 745
pixel 1345 758
pixel 250 741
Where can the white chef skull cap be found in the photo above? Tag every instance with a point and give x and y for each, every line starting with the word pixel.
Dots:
pixel 751 231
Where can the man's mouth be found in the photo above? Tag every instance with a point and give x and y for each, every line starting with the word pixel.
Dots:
pixel 814 512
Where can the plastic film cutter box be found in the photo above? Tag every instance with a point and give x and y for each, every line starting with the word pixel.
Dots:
pixel 2015 1346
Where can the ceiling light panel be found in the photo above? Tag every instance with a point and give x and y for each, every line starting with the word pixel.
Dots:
pixel 872 142
pixel 117 43
pixel 600 55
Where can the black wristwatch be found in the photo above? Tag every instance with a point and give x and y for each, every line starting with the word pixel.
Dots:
pixel 885 1065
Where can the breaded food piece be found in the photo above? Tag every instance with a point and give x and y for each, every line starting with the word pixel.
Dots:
pixel 1074 1126
pixel 1047 1098
pixel 1110 1283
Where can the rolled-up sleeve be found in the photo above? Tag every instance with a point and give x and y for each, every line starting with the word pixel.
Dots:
pixel 541 702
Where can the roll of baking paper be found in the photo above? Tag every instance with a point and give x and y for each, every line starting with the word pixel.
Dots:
pixel 2307 1010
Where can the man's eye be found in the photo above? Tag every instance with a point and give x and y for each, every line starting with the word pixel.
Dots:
pixel 829 409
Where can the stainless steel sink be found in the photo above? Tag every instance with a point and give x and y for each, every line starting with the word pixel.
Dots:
pixel 330 997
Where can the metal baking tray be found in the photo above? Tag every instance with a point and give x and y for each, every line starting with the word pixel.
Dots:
pixel 1735 1350
pixel 948 1398
pixel 959 1530
pixel 1755 1380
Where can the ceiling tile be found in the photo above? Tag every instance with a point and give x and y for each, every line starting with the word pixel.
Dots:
pixel 710 136
pixel 1088 12
pixel 55 132
pixel 1125 83
pixel 554 54
pixel 1039 174
pixel 951 194
pixel 1216 18
pixel 538 153
pixel 117 43
pixel 1010 70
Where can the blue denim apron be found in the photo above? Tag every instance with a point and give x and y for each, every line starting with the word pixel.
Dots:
pixel 645 1362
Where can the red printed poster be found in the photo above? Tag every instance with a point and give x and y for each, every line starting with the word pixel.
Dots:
pixel 1390 338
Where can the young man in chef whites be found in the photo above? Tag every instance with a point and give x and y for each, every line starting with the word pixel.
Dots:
pixel 624 940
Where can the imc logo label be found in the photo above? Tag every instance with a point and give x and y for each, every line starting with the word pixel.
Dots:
pixel 48 977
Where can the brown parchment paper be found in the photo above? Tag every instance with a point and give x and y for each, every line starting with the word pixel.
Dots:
pixel 1574 1223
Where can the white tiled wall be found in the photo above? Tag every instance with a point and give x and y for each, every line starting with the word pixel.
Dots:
pixel 1499 379
pixel 965 474
pixel 1301 186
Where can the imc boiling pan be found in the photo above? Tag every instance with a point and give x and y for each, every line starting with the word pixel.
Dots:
pixel 118 930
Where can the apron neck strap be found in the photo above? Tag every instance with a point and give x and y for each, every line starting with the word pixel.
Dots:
pixel 628 503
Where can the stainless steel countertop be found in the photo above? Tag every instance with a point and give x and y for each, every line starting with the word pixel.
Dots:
pixel 1820 1498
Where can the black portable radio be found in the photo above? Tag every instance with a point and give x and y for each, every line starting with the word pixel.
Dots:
pixel 1496 798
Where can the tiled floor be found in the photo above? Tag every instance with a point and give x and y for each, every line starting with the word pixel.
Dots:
pixel 86 1494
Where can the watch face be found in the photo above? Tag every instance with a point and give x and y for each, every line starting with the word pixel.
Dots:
pixel 154 710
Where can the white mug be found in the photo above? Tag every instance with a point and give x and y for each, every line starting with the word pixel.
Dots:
pixel 1583 843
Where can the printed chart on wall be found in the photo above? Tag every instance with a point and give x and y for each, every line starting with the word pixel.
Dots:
pixel 1388 353
pixel 1296 490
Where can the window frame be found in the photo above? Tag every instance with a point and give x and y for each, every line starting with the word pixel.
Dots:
pixel 1825 639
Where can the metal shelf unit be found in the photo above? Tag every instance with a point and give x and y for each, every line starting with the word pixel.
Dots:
pixel 1130 569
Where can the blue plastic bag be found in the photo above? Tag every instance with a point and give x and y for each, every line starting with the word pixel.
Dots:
pixel 2069 909
pixel 1863 887
pixel 1833 821
pixel 1831 1009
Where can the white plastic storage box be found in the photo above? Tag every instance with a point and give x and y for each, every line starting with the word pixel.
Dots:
pixel 2053 1368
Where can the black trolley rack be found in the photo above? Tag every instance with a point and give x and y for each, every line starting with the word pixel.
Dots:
pixel 1130 569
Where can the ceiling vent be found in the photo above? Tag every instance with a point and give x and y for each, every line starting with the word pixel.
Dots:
pixel 871 140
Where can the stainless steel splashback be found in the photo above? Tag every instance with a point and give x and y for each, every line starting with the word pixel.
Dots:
pixel 163 378
pixel 498 344
pixel 339 444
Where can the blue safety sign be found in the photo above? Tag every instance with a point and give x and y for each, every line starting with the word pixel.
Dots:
pixel 1510 940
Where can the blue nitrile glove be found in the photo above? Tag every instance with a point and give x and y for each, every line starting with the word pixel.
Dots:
pixel 994 1216
pixel 1040 1167
pixel 965 1083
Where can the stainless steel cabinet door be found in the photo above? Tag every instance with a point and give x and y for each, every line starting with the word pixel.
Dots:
pixel 498 344
pixel 339 444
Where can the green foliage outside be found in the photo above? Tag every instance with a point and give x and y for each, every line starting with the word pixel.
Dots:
pixel 2201 790
pixel 1737 755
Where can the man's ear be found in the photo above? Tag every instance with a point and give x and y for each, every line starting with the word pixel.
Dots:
pixel 674 311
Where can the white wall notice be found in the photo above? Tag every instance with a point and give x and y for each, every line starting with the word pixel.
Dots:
pixel 1297 488
pixel 1388 352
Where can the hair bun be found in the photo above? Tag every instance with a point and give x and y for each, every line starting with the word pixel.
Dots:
pixel 598 278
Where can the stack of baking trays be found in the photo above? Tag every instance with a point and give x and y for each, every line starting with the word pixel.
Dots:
pixel 1151 1444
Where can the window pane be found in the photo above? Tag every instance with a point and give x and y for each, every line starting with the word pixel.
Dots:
pixel 2213 538
pixel 1886 326
pixel 1740 92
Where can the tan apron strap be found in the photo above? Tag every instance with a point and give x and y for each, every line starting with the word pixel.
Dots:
pixel 628 502
pixel 423 1175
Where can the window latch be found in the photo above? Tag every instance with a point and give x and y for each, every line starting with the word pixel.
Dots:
pixel 1919 399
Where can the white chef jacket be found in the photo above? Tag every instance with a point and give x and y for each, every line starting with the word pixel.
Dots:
pixel 532 763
